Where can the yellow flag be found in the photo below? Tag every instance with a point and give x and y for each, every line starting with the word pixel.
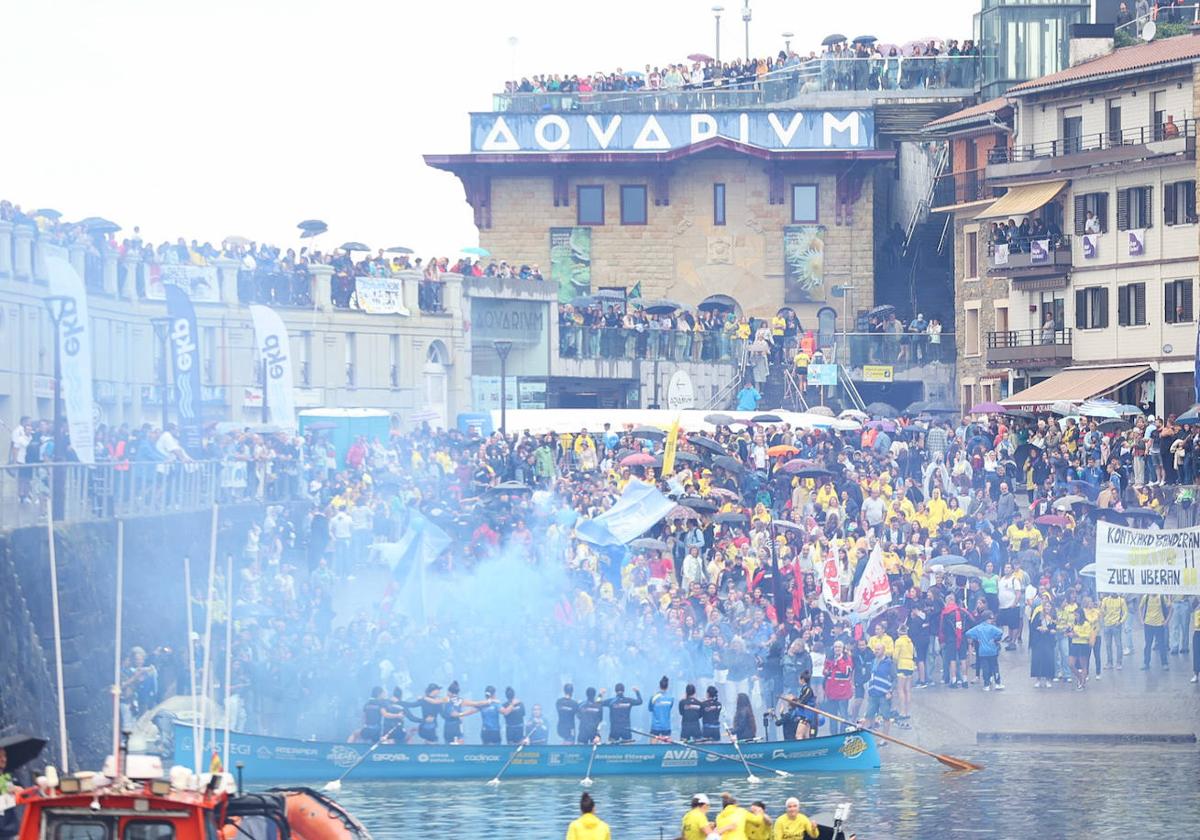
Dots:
pixel 668 466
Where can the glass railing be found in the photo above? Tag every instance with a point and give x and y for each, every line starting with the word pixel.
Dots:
pixel 899 350
pixel 575 342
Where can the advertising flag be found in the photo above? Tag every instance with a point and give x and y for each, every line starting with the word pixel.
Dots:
pixel 75 354
pixel 873 593
pixel 669 448
pixel 275 351
pixel 183 337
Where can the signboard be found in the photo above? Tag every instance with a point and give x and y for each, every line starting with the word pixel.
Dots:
pixel 680 392
pixel 878 373
pixel 822 374
pixel 1039 251
pixel 660 132
pixel 531 393
pixel 1091 242
pixel 1133 561
pixel 804 263
pixel 519 321
pixel 199 281
pixel 571 261
pixel 380 295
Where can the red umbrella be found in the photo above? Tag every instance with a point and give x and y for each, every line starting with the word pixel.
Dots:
pixel 1055 519
pixel 798 464
pixel 637 459
pixel 679 512
pixel 700 57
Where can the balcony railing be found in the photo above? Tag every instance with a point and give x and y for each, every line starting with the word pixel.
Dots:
pixel 915 75
pixel 1029 348
pixel 1029 252
pixel 1129 137
pixel 963 187
pixel 901 351
pixel 575 342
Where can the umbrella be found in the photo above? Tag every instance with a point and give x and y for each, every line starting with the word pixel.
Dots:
pixel 95 224
pixel 884 425
pixel 48 213
pixel 1023 453
pixel 1069 501
pixel 610 294
pixel 1099 408
pixel 797 464
pixel 1055 519
pixel 882 409
pixel 727 463
pixel 882 309
pixel 1083 488
pixel 237 240
pixel 313 224
pixel 718 302
pixel 687 457
pixel 637 459
pixel 20 749
pixel 680 513
pixel 855 414
pixel 510 487
pixel 722 492
pixel 661 307
pixel 865 39
pixel 479 252
pixel 649 544
pixel 399 249
pixel 1114 425
pixel 782 449
pixel 813 472
pixel 1142 513
pixel 1192 415
pixel 1018 414
pixel 1089 570
pixel 355 246
pixel 1129 410
pixel 987 408
pixel 1063 408
pixel 962 569
pixel 637 74
pixel 309 234
pixel 583 301
pixel 698 505
pixel 766 418
pixel 708 444
pixel 731 518
pixel 822 410
pixel 648 432
pixel 787 526
pixel 830 40
pixel 700 57
pixel 718 419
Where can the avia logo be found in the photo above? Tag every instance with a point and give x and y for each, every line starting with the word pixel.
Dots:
pixel 69 327
pixel 264 753
pixel 273 355
pixel 853 746
pixel 679 758
pixel 185 346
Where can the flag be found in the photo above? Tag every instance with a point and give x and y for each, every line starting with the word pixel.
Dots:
pixel 672 444
pixel 418 547
pixel 636 291
pixel 75 354
pixel 640 507
pixel 185 354
pixel 214 764
pixel 271 336
pixel 874 592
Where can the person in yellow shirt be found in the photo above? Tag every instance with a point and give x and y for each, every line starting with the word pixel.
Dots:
pixel 793 825
pixel 758 824
pixel 588 826
pixel 731 822
pixel 1091 611
pixel 1113 612
pixel 826 494
pixel 881 641
pixel 696 824
pixel 938 509
pixel 1154 610
pixel 1082 636
pixel 905 653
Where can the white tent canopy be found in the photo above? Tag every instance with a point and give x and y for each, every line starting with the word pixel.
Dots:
pixel 542 420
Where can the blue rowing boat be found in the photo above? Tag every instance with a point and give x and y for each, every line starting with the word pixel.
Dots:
pixel 291 760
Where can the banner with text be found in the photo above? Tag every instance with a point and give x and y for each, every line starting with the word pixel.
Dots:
pixel 199 281
pixel 380 295
pixel 183 336
pixel 1133 561
pixel 274 352
pixel 75 353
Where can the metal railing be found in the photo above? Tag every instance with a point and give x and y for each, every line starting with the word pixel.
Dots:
pixel 1029 348
pixel 963 187
pixel 912 74
pixel 901 351
pixel 1028 338
pixel 1138 136
pixel 1032 250
pixel 140 488
pixel 576 342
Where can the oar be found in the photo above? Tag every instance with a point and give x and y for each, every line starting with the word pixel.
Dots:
pixel 750 777
pixel 496 781
pixel 948 760
pixel 783 774
pixel 586 781
pixel 336 784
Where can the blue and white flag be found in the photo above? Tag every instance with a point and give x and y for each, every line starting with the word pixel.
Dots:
pixel 183 336
pixel 640 508
pixel 75 349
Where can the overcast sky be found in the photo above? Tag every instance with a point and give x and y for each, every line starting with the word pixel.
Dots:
pixel 209 118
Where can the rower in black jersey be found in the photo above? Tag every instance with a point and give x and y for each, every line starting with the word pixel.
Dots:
pixel 619 709
pixel 514 717
pixel 567 707
pixel 591 714
pixel 395 711
pixel 454 710
pixel 690 709
pixel 710 716
pixel 372 728
pixel 431 707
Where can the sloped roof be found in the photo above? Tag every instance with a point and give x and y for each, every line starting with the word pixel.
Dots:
pixel 974 112
pixel 1183 49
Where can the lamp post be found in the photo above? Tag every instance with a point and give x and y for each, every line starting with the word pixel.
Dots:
pixel 503 347
pixel 57 304
pixel 717 14
pixel 512 56
pixel 787 42
pixel 162 327
pixel 746 20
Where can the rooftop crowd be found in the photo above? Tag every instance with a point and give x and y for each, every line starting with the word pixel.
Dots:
pixel 982 523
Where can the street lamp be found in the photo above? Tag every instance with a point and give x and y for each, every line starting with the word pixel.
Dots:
pixel 512 56
pixel 746 20
pixel 717 14
pixel 162 328
pixel 57 304
pixel 503 347
pixel 787 42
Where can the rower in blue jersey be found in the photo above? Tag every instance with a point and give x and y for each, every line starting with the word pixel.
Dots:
pixel 661 705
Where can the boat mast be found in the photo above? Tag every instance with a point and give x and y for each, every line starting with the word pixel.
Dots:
pixel 191 648
pixel 58 656
pixel 116 736
pixel 228 653
pixel 206 674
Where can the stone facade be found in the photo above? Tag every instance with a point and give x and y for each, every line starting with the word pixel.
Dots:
pixel 986 297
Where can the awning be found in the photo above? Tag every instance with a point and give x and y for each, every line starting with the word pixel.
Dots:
pixel 1075 385
pixel 1022 200
pixel 1039 284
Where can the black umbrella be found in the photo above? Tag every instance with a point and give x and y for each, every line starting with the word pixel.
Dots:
pixel 865 39
pixel 1018 413
pixel 830 40
pixel 399 249
pixel 355 246
pixel 510 487
pixel 717 302
pixel 20 749
pixel 699 505
pixel 854 491
pixel 649 544
pixel 309 234
pixel 660 307
pixel 788 526
pixel 718 419
pixel 813 472
pixel 727 463
pixel 687 457
pixel 312 224
pixel 48 213
pixel 648 432
pixel 1114 425
pixel 1023 453
pixel 708 444
pixel 882 309
pixel 731 518
pixel 95 224
pixel 766 418
pixel 882 409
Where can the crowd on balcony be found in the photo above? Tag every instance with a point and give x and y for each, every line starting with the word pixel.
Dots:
pixel 1020 237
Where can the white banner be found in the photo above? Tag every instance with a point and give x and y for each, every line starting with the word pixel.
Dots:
pixel 1001 255
pixel 75 348
pixel 1137 243
pixel 874 592
pixel 380 295
pixel 1133 561
pixel 199 281
pixel 271 336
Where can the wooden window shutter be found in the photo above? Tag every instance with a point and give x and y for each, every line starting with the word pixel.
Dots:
pixel 1122 209
pixel 1169 203
pixel 1147 207
pixel 1102 211
pixel 1185 301
pixel 1080 214
pixel 1102 321
pixel 1169 302
pixel 1139 303
pixel 1080 309
pixel 1122 306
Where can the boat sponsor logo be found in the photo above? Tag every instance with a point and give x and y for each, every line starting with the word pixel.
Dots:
pixel 435 758
pixel 297 752
pixel 679 758
pixel 393 757
pixel 853 746
pixel 792 754
pixel 480 757
pixel 264 753
pixel 341 756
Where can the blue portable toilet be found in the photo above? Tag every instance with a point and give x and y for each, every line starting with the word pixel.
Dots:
pixel 342 425
pixel 477 422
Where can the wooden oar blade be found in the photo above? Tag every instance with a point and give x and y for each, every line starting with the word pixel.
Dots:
pixel 958 763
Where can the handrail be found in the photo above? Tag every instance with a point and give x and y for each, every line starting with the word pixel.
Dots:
pixel 792 386
pixel 1097 141
pixel 726 391
pixel 921 211
pixel 851 389
pixel 1000 339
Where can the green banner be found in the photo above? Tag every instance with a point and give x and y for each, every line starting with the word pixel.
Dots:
pixel 571 261
pixel 804 263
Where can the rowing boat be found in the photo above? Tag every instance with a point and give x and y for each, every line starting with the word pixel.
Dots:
pixel 293 760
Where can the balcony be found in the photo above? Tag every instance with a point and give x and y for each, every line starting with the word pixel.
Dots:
pixel 955 188
pixel 1030 257
pixel 1029 348
pixel 1104 148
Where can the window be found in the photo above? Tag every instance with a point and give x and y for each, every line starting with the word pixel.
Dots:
pixel 305 358
pixel 394 359
pixel 1133 208
pixel 633 205
pixel 1114 122
pixel 1097 205
pixel 972 255
pixel 146 830
pixel 804 203
pixel 351 358
pixel 971 339
pixel 718 204
pixel 1051 305
pixel 1177 301
pixel 589 205
pixel 1072 131
pixel 1131 305
pixel 1091 308
pixel 1158 113
pixel 1179 203
pixel 1001 319
pixel 94 830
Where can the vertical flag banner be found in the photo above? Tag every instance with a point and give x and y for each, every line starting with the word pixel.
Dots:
pixel 75 349
pixel 271 336
pixel 873 593
pixel 183 337
pixel 669 449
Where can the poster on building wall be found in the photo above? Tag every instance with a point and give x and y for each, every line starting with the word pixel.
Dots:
pixel 380 295
pixel 198 281
pixel 571 261
pixel 879 373
pixel 804 263
pixel 1000 257
pixel 1091 245
pixel 1039 251
pixel 822 375
pixel 1137 243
